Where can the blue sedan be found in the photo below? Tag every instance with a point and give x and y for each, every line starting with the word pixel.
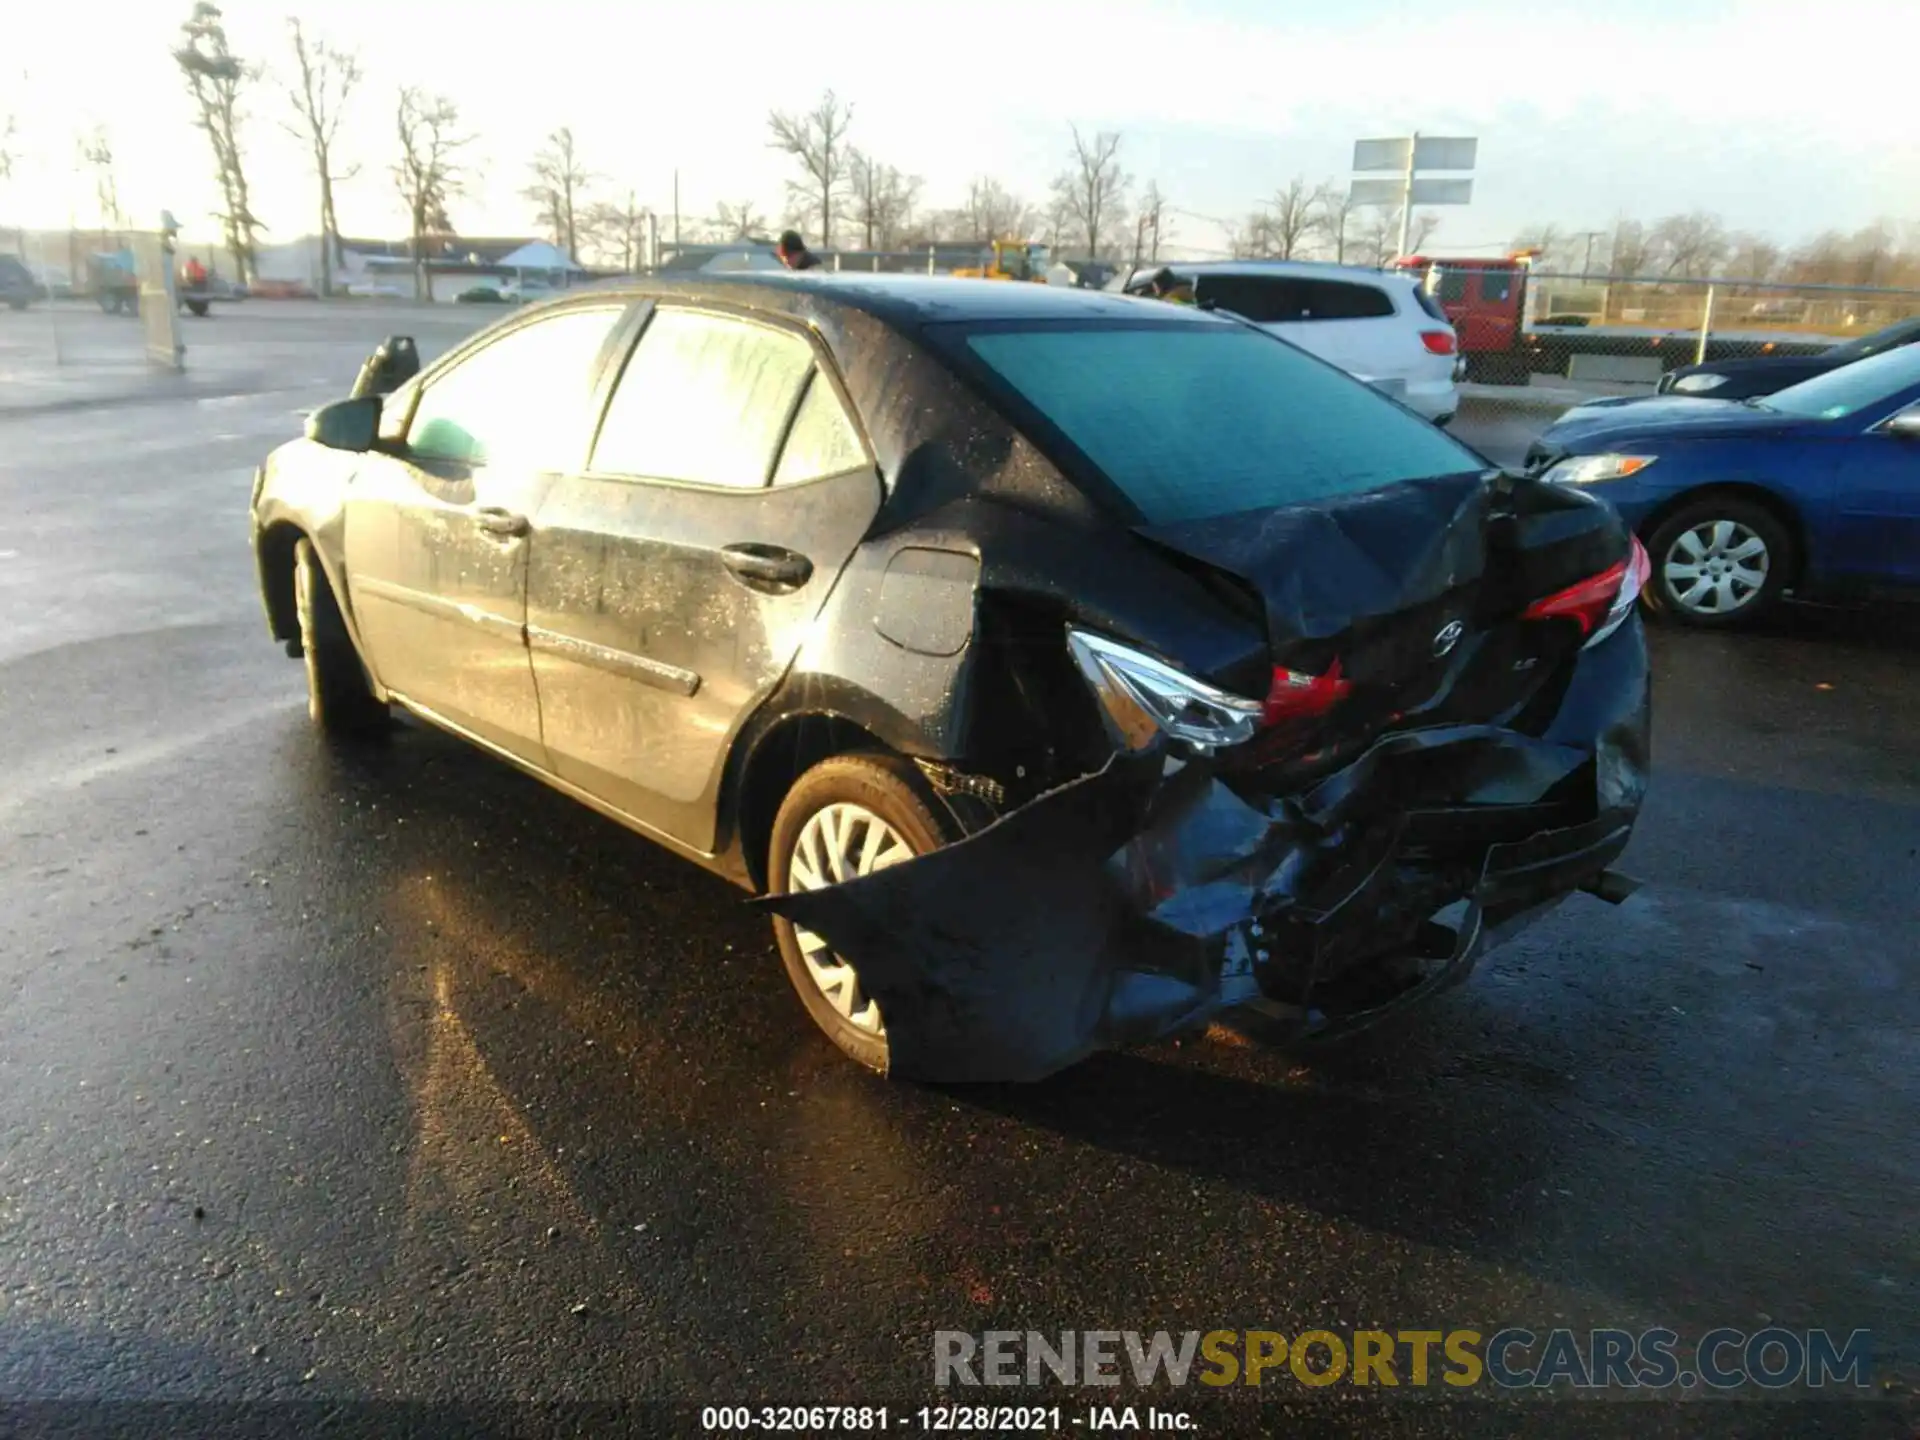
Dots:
pixel 1813 490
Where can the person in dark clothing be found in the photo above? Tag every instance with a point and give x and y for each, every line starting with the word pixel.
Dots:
pixel 793 252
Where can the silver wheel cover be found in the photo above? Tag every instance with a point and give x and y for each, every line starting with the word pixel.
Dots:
pixel 837 843
pixel 1715 568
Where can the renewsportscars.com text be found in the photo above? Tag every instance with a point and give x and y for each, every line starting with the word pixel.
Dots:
pixel 1510 1358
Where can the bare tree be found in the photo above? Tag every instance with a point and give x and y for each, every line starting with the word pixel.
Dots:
pixel 96 150
pixel 1753 257
pixel 617 228
pixel 818 140
pixel 1689 246
pixel 1548 242
pixel 1291 218
pixel 1149 224
pixel 1379 237
pixel 991 212
pixel 1628 253
pixel 326 77
pixel 737 222
pixel 1335 202
pixel 215 78
pixel 1055 222
pixel 1094 187
pixel 559 184
pixel 882 197
pixel 427 173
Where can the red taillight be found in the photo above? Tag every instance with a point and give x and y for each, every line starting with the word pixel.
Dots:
pixel 1295 696
pixel 1438 342
pixel 1600 602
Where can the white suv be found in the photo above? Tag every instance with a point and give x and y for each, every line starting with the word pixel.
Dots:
pixel 1378 327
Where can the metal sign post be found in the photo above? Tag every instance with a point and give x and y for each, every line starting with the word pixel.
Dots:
pixel 1410 155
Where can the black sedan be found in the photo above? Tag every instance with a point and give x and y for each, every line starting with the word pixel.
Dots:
pixel 1065 667
pixel 1764 374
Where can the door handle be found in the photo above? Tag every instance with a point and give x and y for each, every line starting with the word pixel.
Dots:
pixel 504 523
pixel 767 567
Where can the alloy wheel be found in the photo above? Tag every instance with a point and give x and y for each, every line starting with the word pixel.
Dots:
pixel 840 842
pixel 1715 568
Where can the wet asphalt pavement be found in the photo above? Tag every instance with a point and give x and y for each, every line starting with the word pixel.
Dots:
pixel 393 1074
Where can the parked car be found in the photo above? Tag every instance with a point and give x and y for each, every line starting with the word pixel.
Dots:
pixel 812 577
pixel 1764 374
pixel 1381 328
pixel 1814 490
pixel 55 281
pixel 18 288
pixel 481 295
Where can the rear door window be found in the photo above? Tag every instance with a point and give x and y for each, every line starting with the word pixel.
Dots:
pixel 823 441
pixel 1263 299
pixel 705 398
pixel 1343 300
pixel 1496 286
pixel 1453 286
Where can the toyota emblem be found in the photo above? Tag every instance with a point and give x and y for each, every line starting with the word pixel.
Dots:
pixel 1447 637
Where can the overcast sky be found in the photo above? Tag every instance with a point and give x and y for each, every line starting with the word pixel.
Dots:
pixel 1782 118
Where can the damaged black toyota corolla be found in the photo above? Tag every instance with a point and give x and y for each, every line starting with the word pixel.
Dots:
pixel 1065 668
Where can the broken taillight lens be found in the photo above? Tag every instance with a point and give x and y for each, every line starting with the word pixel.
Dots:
pixel 1601 603
pixel 1297 696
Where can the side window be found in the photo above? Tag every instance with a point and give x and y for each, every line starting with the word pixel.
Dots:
pixel 1453 286
pixel 1263 299
pixel 1340 300
pixel 523 400
pixel 704 398
pixel 822 441
pixel 1496 286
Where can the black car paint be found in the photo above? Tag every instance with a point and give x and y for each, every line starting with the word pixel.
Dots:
pixel 942 636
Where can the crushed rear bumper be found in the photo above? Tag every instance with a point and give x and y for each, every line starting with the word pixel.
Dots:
pixel 1145 898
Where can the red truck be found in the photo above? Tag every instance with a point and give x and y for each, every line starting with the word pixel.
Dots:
pixel 1486 301
pixel 1489 303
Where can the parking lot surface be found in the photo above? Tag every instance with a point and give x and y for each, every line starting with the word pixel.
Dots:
pixel 396 1074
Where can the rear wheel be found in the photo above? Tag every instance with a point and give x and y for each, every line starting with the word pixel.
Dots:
pixel 339 699
pixel 1719 562
pixel 847 816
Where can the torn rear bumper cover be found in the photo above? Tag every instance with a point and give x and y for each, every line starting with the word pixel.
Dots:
pixel 1146 897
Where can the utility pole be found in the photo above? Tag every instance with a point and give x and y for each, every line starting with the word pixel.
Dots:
pixel 1586 265
pixel 1406 195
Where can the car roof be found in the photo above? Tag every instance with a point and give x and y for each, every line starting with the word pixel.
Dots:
pixel 1304 269
pixel 901 301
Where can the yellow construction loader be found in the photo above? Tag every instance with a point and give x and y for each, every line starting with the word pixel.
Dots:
pixel 1012 260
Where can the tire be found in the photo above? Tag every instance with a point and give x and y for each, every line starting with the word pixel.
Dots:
pixel 1713 541
pixel 882 787
pixel 339 699
pixel 197 307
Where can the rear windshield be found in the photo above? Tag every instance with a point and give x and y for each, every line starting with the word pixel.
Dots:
pixel 1193 421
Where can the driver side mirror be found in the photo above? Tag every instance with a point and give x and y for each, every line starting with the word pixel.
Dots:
pixel 1905 424
pixel 352 425
pixel 388 368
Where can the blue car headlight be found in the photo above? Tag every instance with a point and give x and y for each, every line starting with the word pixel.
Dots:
pixel 1593 469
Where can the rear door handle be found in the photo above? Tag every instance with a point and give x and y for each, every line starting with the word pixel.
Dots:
pixel 767 567
pixel 496 521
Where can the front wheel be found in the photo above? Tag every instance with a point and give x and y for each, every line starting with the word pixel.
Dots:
pixel 1719 562
pixel 339 699
pixel 847 816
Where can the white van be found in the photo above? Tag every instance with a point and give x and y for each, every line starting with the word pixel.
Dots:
pixel 1377 326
